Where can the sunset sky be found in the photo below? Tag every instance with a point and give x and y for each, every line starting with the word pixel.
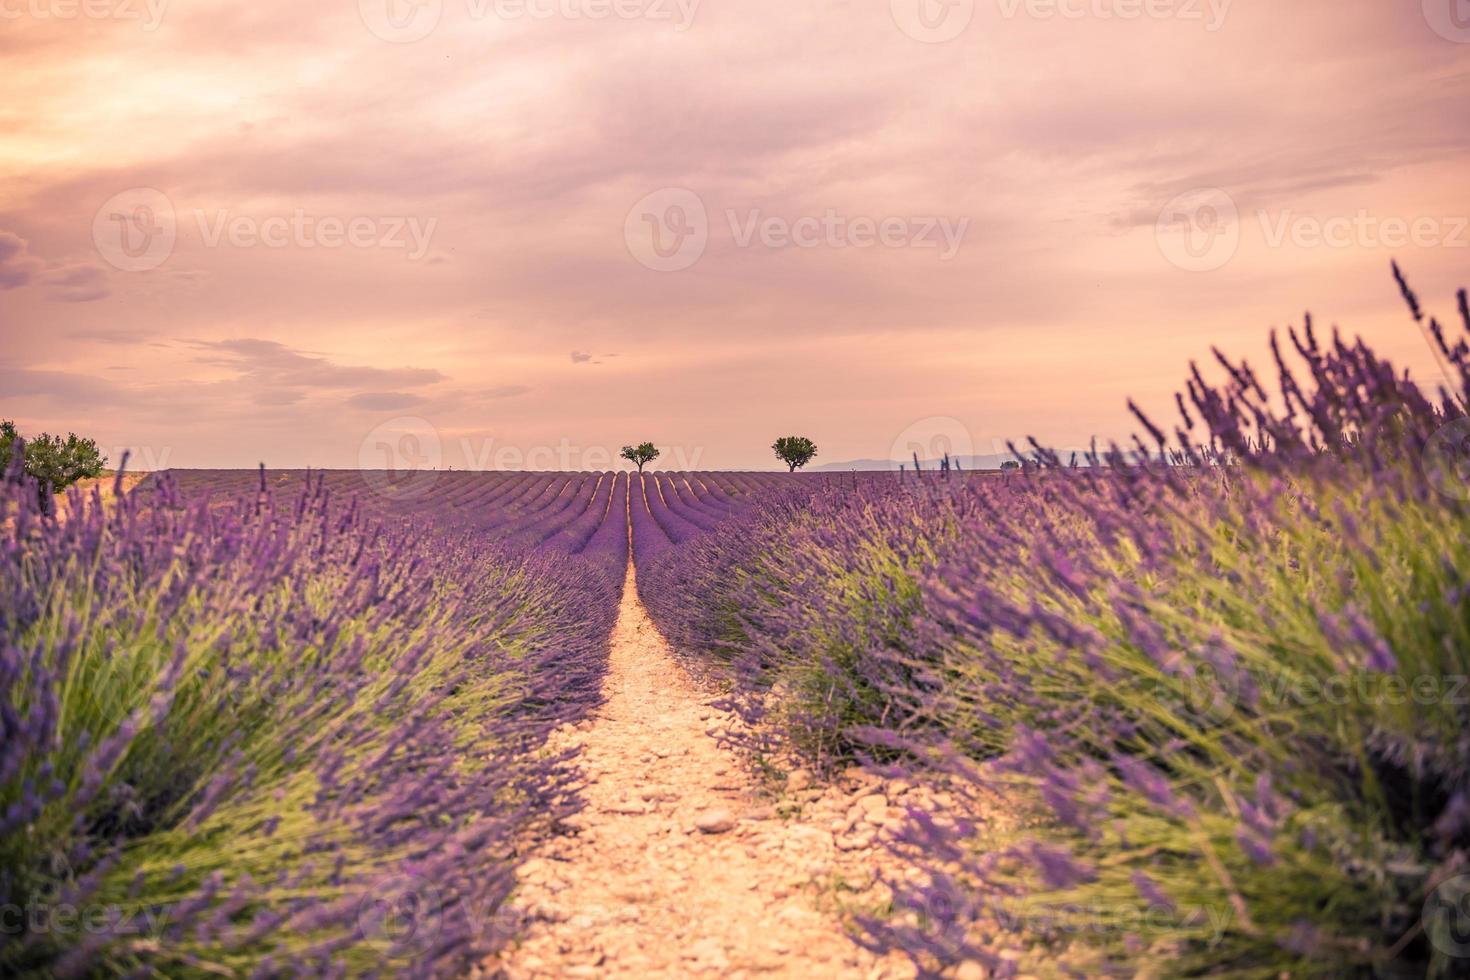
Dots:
pixel 277 231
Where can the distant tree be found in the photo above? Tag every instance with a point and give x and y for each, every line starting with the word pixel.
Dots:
pixel 1010 464
pixel 8 435
pixel 795 451
pixel 640 454
pixel 52 460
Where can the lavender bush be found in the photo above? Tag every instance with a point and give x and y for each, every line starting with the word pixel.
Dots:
pixel 268 734
pixel 1199 704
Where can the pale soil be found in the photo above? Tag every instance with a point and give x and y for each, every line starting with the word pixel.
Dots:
pixel 636 889
pixel 106 483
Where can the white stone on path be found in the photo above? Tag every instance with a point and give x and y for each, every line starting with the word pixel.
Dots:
pixel 715 821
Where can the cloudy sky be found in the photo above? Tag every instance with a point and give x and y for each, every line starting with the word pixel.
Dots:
pixel 530 230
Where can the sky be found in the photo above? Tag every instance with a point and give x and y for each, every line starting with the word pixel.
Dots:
pixel 523 233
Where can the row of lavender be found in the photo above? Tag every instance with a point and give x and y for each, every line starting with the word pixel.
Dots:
pixel 680 564
pixel 1200 718
pixel 289 725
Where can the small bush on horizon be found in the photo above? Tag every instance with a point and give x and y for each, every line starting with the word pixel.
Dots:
pixel 53 462
pixel 640 455
pixel 794 451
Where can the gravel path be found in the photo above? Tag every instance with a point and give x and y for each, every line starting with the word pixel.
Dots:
pixel 678 867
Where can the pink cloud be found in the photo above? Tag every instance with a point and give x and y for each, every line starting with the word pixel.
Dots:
pixel 1059 141
pixel 17 266
pixel 75 283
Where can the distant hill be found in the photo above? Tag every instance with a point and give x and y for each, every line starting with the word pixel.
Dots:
pixel 988 461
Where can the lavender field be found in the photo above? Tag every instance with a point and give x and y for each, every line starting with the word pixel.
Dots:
pixel 735 489
pixel 1195 706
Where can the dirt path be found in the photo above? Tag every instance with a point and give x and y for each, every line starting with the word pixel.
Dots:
pixel 677 868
